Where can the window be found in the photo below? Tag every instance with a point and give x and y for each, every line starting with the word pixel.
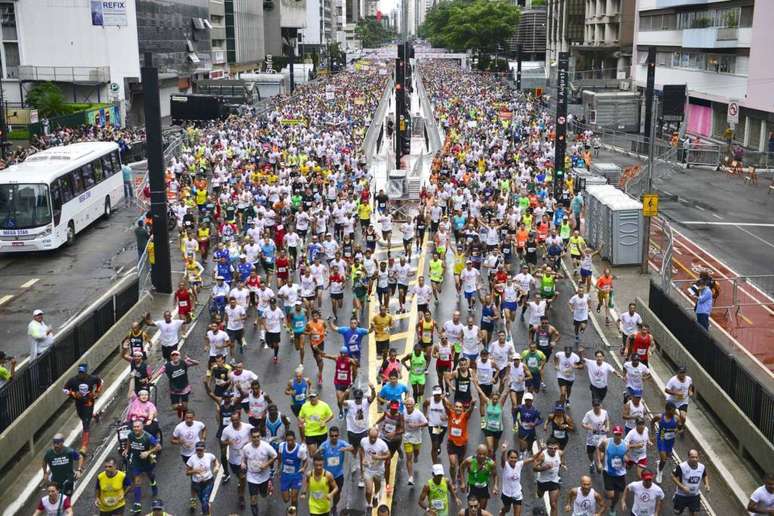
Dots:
pixel 78 187
pixel 98 174
pixel 88 176
pixel 66 186
pixel 24 206
pixel 56 200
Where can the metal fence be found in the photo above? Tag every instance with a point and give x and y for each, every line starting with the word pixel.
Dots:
pixel 32 381
pixel 752 398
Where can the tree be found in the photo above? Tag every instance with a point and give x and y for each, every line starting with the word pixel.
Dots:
pixel 48 99
pixel 478 25
pixel 373 34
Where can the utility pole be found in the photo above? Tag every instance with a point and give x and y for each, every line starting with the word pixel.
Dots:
pixel 649 188
pixel 650 86
pixel 560 144
pixel 291 62
pixel 518 66
pixel 161 271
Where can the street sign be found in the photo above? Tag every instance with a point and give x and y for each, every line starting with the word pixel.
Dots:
pixel 114 87
pixel 733 113
pixel 649 205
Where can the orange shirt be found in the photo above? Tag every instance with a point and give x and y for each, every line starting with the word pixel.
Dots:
pixel 521 237
pixel 605 283
pixel 316 332
pixel 458 428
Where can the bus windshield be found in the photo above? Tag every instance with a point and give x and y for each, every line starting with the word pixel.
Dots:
pixel 24 206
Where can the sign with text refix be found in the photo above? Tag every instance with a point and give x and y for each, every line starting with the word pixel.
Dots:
pixel 109 13
pixel 733 112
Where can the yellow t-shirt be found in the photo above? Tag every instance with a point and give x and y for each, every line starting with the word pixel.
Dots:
pixel 111 491
pixel 382 327
pixel 364 211
pixel 313 417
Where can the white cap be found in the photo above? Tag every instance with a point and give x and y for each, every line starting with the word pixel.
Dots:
pixel 438 469
pixel 529 396
pixel 37 312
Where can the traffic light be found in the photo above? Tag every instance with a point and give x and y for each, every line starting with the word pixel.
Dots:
pixel 405 143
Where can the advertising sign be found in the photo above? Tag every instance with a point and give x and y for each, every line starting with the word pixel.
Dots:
pixel 109 13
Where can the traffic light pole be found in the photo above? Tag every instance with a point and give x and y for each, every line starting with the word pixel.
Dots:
pixel 560 144
pixel 518 67
pixel 161 271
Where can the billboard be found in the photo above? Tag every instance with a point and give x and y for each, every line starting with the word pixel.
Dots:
pixel 109 13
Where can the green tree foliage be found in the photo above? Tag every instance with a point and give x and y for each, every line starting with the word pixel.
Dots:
pixel 48 99
pixel 478 25
pixel 373 34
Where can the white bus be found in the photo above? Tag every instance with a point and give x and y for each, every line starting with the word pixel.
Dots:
pixel 51 196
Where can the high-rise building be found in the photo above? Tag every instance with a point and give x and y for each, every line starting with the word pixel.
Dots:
pixel 245 34
pixel 530 34
pixel 721 51
pixel 217 23
pixel 565 24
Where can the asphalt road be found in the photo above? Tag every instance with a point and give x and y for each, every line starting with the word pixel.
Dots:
pixel 63 281
pixel 721 213
pixel 174 485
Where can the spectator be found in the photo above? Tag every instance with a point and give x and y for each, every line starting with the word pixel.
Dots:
pixel 126 170
pixel 703 304
pixel 141 235
pixel 6 373
pixel 41 335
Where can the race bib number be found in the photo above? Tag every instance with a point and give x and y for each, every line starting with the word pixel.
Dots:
pixel 463 387
pixel 300 397
pixel 438 505
pixel 437 430
pixel 668 436
pixel 183 304
pixel 288 469
pixel 617 462
pixel 334 461
pixel 456 432
pixel 342 375
pixel 532 362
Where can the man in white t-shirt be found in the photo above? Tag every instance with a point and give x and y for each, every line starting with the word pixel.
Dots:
pixel 565 363
pixel 216 343
pixel 202 467
pixel 762 499
pixel 272 324
pixel 579 306
pixel 373 453
pixel 629 322
pixel 647 496
pixel 634 374
pixel 470 278
pixel 257 459
pixel 235 322
pixel 187 433
pixel 598 371
pixel 236 435
pixel 242 295
pixel 169 333
pixel 679 389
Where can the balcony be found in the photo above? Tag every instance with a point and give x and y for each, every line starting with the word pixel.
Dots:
pixel 218 56
pixel 714 37
pixel 218 32
pixel 73 74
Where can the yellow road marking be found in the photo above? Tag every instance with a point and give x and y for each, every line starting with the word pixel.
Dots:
pixel 398 317
pixel 30 283
pixel 386 498
pixel 5 299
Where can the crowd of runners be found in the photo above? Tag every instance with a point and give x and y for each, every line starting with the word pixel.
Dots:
pixel 280 223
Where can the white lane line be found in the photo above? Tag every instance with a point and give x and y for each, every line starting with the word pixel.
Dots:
pixel 5 298
pixel 756 236
pixel 712 223
pixel 700 208
pixel 30 283
pixel 717 216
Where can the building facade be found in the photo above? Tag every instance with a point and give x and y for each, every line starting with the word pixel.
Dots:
pixel 606 50
pixel 531 35
pixel 721 50
pixel 565 25
pixel 245 34
pixel 218 44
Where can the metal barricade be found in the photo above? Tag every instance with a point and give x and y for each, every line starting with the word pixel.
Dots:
pixel 706 154
pixel 144 280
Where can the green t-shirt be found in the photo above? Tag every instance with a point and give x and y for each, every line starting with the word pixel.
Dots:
pixel 313 417
pixel 62 464
pixel 478 474
pixel 533 359
pixel 5 375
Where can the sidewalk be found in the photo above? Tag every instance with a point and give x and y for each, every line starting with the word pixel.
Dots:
pixel 716 450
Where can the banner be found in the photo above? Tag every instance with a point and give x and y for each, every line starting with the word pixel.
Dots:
pixel 109 13
pixel 359 101
pixel 104 116
pixel 293 121
pixel 506 115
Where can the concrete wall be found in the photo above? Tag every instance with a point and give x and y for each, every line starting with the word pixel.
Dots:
pixel 23 430
pixel 249 26
pixel 372 134
pixel 754 444
pixel 759 85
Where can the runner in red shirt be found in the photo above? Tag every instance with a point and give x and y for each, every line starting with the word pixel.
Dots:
pixel 282 264
pixel 640 343
pixel 185 300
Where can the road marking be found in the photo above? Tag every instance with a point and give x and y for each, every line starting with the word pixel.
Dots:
pixel 5 299
pixel 712 223
pixel 700 208
pixel 766 242
pixel 717 216
pixel 30 283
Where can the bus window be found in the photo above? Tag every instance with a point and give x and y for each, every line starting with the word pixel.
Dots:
pixel 56 201
pixel 97 166
pixel 88 175
pixel 66 187
pixel 78 187
pixel 114 157
pixel 107 166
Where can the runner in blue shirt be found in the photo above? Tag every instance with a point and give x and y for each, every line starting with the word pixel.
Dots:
pixel 298 322
pixel 528 419
pixel 352 336
pixel 392 390
pixel 292 457
pixel 332 450
pixel 665 436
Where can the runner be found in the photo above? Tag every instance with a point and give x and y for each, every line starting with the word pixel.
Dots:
pixel 321 487
pixel 481 472
pixel 547 465
pixel 313 421
pixel 665 436
pixel 84 388
pixel 292 458
pixel 256 464
pixel 457 444
pixel 202 467
pixel 647 496
pixel 434 497
pixel 611 460
pixel 679 390
pixel 333 450
pixel 236 435
pixel 584 500
pixel 140 452
pixel 373 452
pixel 688 477
pixel 55 503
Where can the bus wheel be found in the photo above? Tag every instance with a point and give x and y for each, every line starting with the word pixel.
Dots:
pixel 108 209
pixel 70 233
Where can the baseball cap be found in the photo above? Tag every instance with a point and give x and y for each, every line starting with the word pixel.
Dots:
pixel 82 368
pixel 637 393
pixel 437 390
pixel 344 350
pixel 157 504
pixel 58 438
pixel 682 369
pixel 394 404
pixel 484 351
pixel 37 312
pixel 137 353
pixel 618 429
pixel 528 396
pixel 438 469
pixel 200 445
pixel 559 407
pixel 595 402
pixel 175 352
pixel 312 394
pixel 647 475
